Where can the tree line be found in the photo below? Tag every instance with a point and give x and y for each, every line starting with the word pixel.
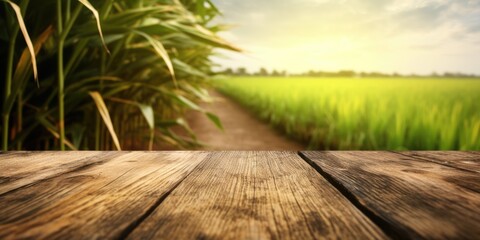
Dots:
pixel 242 71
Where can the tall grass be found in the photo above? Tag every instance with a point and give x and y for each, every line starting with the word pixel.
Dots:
pixel 375 113
pixel 112 74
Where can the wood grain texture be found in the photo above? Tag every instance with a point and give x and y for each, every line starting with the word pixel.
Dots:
pixel 256 195
pixel 104 200
pixel 469 161
pixel 415 198
pixel 19 169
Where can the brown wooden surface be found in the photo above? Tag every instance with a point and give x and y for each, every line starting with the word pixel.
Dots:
pixel 22 168
pixel 252 195
pixel 469 161
pixel 415 198
pixel 98 201
pixel 239 195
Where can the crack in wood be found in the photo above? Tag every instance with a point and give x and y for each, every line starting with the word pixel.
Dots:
pixel 384 225
pixel 131 227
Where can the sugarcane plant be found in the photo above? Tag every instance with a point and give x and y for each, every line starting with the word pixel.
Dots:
pixel 111 74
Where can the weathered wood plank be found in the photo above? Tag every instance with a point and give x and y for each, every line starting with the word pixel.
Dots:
pixel 417 199
pixel 18 169
pixel 469 161
pixel 256 195
pixel 100 201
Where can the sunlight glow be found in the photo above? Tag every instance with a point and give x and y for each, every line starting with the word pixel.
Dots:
pixel 405 36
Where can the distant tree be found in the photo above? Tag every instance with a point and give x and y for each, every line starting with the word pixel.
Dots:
pixel 263 72
pixel 457 75
pixel 346 73
pixel 283 73
pixel 275 73
pixel 377 74
pixel 228 71
pixel 413 75
pixel 350 73
pixel 241 71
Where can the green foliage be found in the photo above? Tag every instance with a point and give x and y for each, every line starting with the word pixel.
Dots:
pixel 367 113
pixel 106 69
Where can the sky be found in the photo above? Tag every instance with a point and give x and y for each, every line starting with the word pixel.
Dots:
pixel 403 36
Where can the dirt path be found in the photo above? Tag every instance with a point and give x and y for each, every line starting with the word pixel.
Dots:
pixel 243 131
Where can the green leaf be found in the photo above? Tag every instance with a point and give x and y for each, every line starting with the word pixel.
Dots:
pixel 94 11
pixel 198 92
pixel 148 113
pixel 77 132
pixel 103 110
pixel 188 69
pixel 22 72
pixel 188 103
pixel 23 28
pixel 147 110
pixel 215 119
pixel 160 50
pixel 53 130
pixel 201 34
pixel 186 126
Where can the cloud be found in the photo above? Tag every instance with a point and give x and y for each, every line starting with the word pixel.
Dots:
pixel 297 35
pixel 409 5
pixel 320 2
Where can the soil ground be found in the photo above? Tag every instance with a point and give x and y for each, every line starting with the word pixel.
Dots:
pixel 242 130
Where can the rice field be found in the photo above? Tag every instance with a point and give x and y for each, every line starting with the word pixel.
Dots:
pixel 366 113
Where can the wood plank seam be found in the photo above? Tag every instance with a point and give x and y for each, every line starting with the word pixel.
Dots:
pixel 256 195
pixel 134 224
pixel 79 168
pixel 381 223
pixel 436 162
pixel 99 202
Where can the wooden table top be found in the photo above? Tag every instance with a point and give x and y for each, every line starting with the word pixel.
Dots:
pixel 240 195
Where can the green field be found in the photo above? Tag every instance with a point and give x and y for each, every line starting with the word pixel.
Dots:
pixel 366 113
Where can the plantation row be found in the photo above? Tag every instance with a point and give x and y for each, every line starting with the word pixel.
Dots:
pixel 111 74
pixel 376 113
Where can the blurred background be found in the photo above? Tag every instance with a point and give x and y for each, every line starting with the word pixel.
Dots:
pixel 240 75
